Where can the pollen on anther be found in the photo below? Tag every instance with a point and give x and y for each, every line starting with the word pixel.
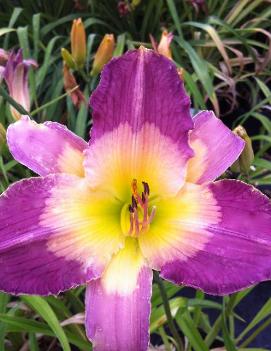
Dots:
pixel 146 188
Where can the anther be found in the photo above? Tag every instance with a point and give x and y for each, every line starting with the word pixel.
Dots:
pixel 146 188
pixel 140 218
pixel 134 186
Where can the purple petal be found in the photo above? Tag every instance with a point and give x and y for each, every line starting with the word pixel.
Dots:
pixel 215 147
pixel 117 314
pixel 30 62
pixel 138 87
pixel 46 148
pixel 50 237
pixel 237 253
pixel 141 86
pixel 141 115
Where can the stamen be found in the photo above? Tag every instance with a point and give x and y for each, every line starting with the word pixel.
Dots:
pixel 143 198
pixel 134 186
pixel 135 193
pixel 140 207
pixel 131 224
pixel 146 188
pixel 136 222
pixel 153 211
pixel 134 203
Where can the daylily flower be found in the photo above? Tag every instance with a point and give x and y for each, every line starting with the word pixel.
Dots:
pixel 140 196
pixel 16 77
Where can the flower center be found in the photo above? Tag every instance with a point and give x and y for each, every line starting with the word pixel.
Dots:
pixel 140 214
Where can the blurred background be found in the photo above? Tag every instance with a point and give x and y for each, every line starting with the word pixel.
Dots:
pixel 223 53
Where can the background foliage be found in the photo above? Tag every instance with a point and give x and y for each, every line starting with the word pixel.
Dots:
pixel 224 48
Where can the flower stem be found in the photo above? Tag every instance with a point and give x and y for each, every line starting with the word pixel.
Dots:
pixel 47 104
pixel 12 102
pixel 173 329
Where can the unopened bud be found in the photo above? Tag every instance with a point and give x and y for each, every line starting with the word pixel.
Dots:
pixel 164 45
pixel 244 161
pixel 67 58
pixel 103 54
pixel 78 42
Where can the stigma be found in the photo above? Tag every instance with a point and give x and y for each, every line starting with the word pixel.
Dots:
pixel 141 215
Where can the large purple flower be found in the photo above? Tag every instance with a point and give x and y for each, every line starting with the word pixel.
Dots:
pixel 140 196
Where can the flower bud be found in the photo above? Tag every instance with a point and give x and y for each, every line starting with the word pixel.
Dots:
pixel 78 42
pixel 164 45
pixel 70 84
pixel 67 58
pixel 243 163
pixel 103 54
pixel 16 77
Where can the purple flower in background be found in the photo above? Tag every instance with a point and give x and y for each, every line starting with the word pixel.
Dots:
pixel 199 5
pixel 16 77
pixel 3 59
pixel 140 196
